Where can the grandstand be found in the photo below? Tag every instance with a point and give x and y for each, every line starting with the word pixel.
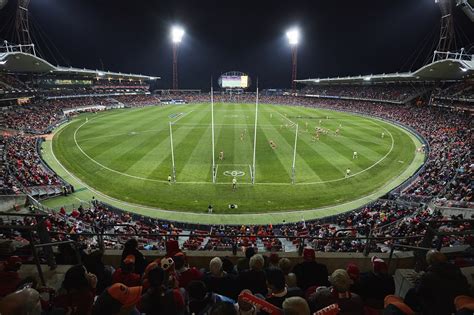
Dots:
pixel 88 237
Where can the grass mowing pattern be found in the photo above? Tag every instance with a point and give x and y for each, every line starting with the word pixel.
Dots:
pixel 126 154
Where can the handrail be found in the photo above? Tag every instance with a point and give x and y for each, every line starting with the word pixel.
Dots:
pixel 393 246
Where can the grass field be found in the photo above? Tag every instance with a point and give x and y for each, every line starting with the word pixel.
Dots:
pixel 125 154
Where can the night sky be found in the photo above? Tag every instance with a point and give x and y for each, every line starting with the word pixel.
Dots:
pixel 338 37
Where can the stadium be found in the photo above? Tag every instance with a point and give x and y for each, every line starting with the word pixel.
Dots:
pixel 193 182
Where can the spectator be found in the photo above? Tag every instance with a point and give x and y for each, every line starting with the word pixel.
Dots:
pixel 9 276
pixel 77 291
pixel 185 274
pixel 131 248
pixel 296 306
pixel 277 288
pixel 125 274
pixel 339 293
pixel 243 263
pixel 200 299
pixel 219 281
pixel 159 300
pixel 118 299
pixel 244 308
pixel 309 272
pixel 254 279
pixel 440 285
pixel 377 284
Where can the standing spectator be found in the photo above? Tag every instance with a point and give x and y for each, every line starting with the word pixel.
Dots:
pixel 244 308
pixel 126 273
pixel 377 284
pixel 22 302
pixel 131 248
pixel 200 299
pixel 309 272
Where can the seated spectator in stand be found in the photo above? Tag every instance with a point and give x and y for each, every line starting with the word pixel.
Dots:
pixel 464 305
pixel 117 299
pixel 125 274
pixel 243 263
pixel 131 248
pixel 309 272
pixel 184 273
pixel 201 300
pixel 159 300
pixel 394 305
pixel 339 293
pixel 254 279
pixel 22 302
pixel 219 281
pixel 243 307
pixel 77 291
pixel 377 284
pixel 354 273
pixel 277 289
pixel 296 306
pixel 9 277
pixel 439 286
pixel 93 263
pixel 292 284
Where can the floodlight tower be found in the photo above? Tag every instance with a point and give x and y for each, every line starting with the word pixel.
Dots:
pixel 293 36
pixel 177 34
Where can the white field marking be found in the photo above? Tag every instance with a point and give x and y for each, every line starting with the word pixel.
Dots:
pixel 215 175
pixel 260 183
pixel 185 114
pixel 251 175
pixel 234 125
pixel 134 133
pixel 104 196
pixel 291 121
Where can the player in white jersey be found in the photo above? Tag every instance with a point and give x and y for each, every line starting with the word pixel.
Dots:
pixel 383 135
pixel 221 155
pixel 354 155
pixel 348 172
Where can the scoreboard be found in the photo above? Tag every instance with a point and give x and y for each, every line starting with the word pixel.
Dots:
pixel 235 81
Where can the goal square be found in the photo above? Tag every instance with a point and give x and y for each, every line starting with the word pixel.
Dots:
pixel 226 172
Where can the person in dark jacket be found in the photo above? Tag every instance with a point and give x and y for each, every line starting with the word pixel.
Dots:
pixel 77 291
pixel 440 285
pixel 131 248
pixel 309 272
pixel 159 300
pixel 277 289
pixel 254 279
pixel 219 281
pixel 338 293
pixel 374 286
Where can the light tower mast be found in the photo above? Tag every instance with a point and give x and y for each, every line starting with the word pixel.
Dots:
pixel 177 34
pixel 293 36
pixel 446 34
pixel 22 26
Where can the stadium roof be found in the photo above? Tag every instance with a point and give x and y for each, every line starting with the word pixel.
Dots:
pixel 445 67
pixel 18 59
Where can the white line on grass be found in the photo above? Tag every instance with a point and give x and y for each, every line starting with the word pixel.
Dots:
pixel 259 183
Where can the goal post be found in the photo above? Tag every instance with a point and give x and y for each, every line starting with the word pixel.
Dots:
pixel 255 138
pixel 293 169
pixel 173 169
pixel 214 173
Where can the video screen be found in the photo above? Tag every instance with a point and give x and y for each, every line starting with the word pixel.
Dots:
pixel 235 81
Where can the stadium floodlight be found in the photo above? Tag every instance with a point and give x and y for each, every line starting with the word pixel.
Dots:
pixel 293 36
pixel 177 34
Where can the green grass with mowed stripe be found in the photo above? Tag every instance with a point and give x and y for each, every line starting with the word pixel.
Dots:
pixel 126 154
